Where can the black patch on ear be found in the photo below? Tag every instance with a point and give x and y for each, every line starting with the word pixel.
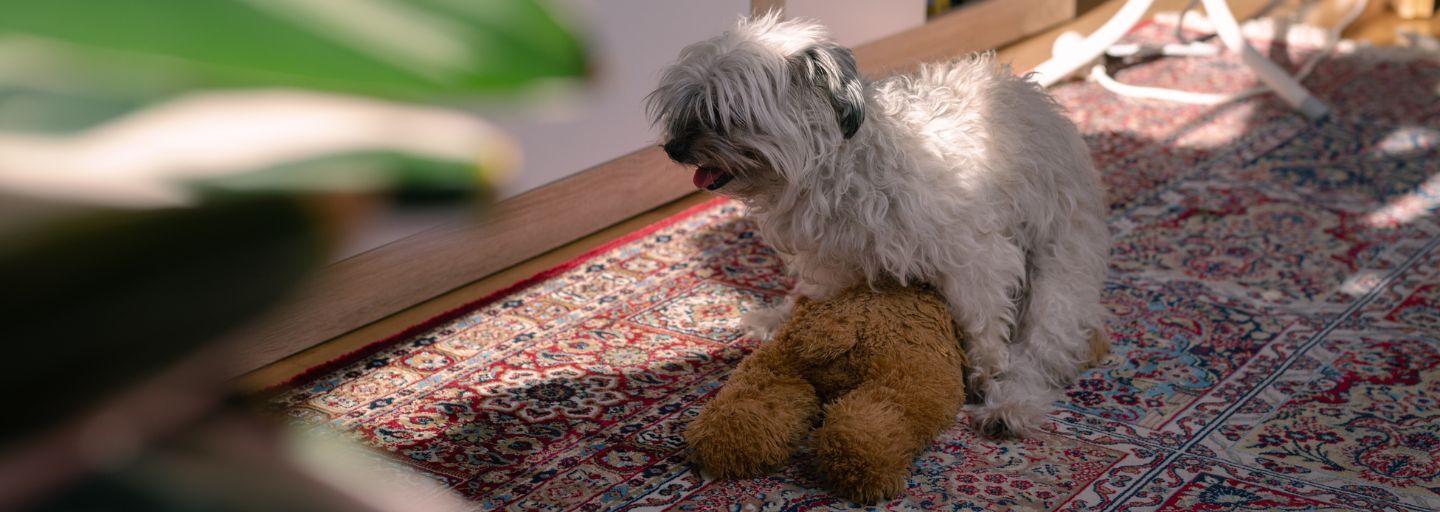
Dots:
pixel 831 69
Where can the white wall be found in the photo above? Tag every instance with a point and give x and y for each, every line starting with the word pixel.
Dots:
pixel 856 22
pixel 632 40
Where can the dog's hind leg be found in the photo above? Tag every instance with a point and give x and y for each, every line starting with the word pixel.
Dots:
pixel 980 293
pixel 1060 329
pixel 1063 326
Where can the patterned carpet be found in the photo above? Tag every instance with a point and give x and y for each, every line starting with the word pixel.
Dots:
pixel 1275 291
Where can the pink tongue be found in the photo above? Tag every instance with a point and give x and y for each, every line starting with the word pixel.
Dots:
pixel 704 176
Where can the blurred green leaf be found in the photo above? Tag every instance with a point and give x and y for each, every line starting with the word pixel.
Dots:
pixel 385 47
pixel 45 111
pixel 406 178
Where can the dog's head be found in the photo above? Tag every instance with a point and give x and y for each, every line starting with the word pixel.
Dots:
pixel 757 108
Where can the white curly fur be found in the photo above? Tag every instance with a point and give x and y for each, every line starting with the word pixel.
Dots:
pixel 962 175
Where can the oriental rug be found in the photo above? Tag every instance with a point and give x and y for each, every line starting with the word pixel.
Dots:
pixel 1275 310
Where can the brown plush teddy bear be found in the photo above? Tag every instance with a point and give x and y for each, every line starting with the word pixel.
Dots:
pixel 882 366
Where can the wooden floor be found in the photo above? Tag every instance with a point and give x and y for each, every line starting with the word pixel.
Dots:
pixel 1378 26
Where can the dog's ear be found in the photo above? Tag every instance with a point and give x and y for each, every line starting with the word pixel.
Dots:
pixel 831 69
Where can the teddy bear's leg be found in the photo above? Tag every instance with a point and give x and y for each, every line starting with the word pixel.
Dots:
pixel 870 436
pixel 754 423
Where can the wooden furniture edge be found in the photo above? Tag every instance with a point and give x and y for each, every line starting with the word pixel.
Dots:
pixel 343 296
pixel 763 6
pixel 981 25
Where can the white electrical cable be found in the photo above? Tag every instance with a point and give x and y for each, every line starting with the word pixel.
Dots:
pixel 1098 73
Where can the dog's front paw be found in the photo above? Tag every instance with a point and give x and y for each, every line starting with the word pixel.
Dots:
pixel 761 324
pixel 1008 419
pixel 977 382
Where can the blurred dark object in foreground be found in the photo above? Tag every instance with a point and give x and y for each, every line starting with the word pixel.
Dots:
pixel 229 459
pixel 171 168
pixel 104 296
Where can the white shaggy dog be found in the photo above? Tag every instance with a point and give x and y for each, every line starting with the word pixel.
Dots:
pixel 962 176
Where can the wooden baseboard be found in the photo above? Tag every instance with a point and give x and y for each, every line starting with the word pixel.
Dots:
pixel 384 281
pixel 1414 9
pixel 764 6
pixel 380 282
pixel 981 25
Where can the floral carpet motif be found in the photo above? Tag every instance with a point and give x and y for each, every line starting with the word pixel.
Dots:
pixel 1275 310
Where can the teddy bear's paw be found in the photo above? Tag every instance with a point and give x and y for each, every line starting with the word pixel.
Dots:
pixel 859 477
pixel 729 460
pixel 738 439
pixel 727 465
pixel 863 451
pixel 872 490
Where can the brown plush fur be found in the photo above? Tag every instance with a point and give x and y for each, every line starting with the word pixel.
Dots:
pixel 1099 347
pixel 885 369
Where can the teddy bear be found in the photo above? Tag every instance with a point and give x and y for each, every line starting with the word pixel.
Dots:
pixel 879 368
pixel 882 366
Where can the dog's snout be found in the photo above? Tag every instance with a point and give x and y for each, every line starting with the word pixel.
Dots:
pixel 678 150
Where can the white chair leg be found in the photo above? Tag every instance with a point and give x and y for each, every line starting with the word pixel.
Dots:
pixel 1067 61
pixel 1277 79
pixel 1195 49
pixel 1072 52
